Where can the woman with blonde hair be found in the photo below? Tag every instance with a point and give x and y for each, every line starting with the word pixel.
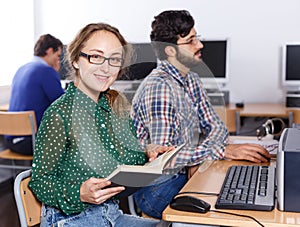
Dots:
pixel 85 135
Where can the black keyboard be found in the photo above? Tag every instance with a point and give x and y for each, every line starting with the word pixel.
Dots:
pixel 248 188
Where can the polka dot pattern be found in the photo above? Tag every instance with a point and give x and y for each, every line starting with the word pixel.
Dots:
pixel 79 139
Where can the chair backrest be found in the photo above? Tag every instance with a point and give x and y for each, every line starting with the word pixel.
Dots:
pixel 18 123
pixel 29 208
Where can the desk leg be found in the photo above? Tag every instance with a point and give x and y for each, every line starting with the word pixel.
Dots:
pixel 238 122
pixel 291 119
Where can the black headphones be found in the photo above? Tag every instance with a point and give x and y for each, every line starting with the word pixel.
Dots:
pixel 273 126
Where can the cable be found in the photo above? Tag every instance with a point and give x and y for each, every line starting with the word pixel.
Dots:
pixel 240 215
pixel 217 211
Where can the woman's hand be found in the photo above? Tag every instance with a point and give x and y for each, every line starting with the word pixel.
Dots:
pixel 154 150
pixel 91 191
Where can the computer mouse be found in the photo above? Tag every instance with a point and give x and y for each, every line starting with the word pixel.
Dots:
pixel 239 105
pixel 189 203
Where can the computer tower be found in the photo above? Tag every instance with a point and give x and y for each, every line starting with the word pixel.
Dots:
pixel 292 99
pixel 288 170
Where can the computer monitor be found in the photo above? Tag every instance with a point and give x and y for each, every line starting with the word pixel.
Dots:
pixel 143 62
pixel 291 65
pixel 215 56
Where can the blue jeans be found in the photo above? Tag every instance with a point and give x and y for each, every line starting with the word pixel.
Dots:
pixel 153 199
pixel 106 214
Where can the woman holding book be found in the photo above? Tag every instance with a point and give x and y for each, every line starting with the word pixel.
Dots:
pixel 85 135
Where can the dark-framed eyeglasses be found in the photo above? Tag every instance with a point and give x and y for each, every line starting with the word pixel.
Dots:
pixel 193 41
pixel 99 60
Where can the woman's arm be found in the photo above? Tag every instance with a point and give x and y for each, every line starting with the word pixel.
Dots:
pixel 46 181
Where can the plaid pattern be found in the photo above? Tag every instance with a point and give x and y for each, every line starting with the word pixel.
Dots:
pixel 170 109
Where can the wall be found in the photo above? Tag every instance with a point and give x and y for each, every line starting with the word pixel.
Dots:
pixel 17 40
pixel 17 37
pixel 5 94
pixel 257 30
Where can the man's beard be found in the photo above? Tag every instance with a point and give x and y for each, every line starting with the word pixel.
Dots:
pixel 187 61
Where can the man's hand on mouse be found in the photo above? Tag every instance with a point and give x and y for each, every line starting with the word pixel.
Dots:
pixel 247 151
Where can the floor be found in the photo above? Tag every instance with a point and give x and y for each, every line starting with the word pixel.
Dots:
pixel 8 210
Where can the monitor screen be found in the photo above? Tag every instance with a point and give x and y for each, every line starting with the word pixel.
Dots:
pixel 143 62
pixel 291 64
pixel 215 56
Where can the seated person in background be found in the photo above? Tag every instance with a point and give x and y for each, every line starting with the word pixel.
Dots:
pixel 85 135
pixel 171 107
pixel 35 86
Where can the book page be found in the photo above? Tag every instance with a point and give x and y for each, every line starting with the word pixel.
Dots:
pixel 140 176
pixel 162 160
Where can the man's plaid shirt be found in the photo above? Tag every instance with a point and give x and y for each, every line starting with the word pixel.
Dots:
pixel 168 109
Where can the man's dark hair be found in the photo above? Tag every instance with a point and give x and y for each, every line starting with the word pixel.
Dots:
pixel 167 27
pixel 44 43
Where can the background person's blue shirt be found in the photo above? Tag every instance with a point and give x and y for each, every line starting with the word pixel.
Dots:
pixel 34 87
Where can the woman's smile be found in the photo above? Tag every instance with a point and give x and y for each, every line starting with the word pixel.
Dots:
pixel 102 78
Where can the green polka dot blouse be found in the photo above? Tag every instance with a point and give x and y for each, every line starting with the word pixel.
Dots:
pixel 79 139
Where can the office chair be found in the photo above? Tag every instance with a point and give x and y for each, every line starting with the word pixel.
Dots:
pixel 29 208
pixel 19 123
pixel 131 206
